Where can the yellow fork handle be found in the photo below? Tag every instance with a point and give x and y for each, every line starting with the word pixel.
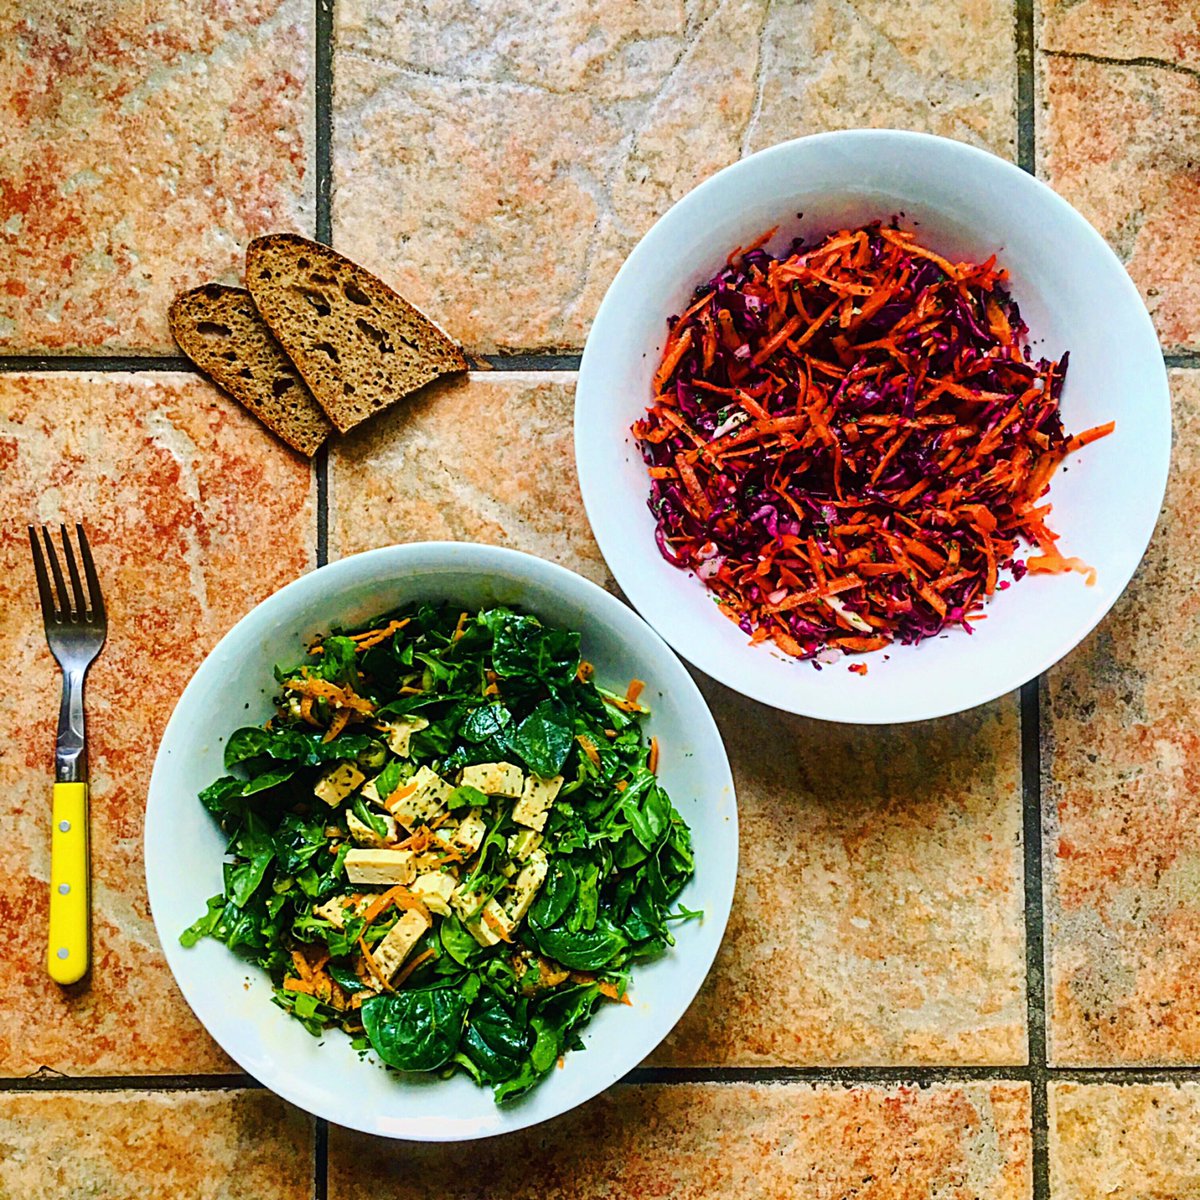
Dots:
pixel 67 952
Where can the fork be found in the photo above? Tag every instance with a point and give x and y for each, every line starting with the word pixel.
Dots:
pixel 76 626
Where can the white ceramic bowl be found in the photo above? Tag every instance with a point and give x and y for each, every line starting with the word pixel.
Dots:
pixel 184 847
pixel 1073 293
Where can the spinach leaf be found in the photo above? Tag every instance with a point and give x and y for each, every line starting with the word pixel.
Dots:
pixel 458 943
pixel 648 812
pixel 495 1040
pixel 523 646
pixel 267 780
pixel 484 722
pixel 345 978
pixel 466 796
pixel 556 895
pixel 291 745
pixel 218 797
pixel 545 737
pixel 415 1031
pixel 582 950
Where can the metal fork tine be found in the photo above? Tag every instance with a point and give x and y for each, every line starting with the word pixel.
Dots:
pixel 60 584
pixel 45 594
pixel 81 607
pixel 89 570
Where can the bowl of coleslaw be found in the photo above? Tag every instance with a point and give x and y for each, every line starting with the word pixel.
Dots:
pixel 872 426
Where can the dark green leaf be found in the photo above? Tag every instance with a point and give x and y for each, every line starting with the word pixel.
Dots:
pixel 585 950
pixel 415 1030
pixel 523 646
pixel 556 895
pixel 545 737
pixel 484 722
pixel 495 1040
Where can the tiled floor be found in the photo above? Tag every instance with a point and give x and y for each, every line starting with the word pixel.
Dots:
pixel 878 1022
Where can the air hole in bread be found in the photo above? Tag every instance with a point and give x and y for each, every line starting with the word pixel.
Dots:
pixel 348 389
pixel 325 280
pixel 329 349
pixel 213 329
pixel 281 384
pixel 302 263
pixel 319 303
pixel 375 335
pixel 355 294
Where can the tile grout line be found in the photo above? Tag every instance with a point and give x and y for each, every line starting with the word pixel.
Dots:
pixel 1035 939
pixel 323 232
pixel 920 1076
pixel 1031 722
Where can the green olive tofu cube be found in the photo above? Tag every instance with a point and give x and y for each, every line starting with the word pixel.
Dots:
pixel 522 845
pixel 536 800
pixel 488 925
pixel 525 887
pixel 337 783
pixel 380 868
pixel 494 779
pixel 336 908
pixel 364 835
pixel 400 732
pixel 390 954
pixel 434 889
pixel 469 834
pixel 427 799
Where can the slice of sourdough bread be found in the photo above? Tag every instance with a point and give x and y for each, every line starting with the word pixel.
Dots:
pixel 220 330
pixel 359 346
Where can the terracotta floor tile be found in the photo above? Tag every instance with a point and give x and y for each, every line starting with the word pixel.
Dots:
pixel 552 138
pixel 1120 140
pixel 488 458
pixel 1122 800
pixel 1113 1142
pixel 180 491
pixel 878 916
pixel 693 1141
pixel 133 1145
pixel 1164 29
pixel 140 149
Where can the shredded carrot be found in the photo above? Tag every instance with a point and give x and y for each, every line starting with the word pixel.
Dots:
pixel 585 671
pixel 860 418
pixel 461 626
pixel 634 690
pixel 373 966
pixel 652 757
pixel 341 718
pixel 292 984
pixel 400 897
pixel 412 965
pixel 589 748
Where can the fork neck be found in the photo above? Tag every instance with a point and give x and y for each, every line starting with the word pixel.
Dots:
pixel 70 751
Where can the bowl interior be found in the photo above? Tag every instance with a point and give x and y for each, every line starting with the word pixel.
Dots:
pixel 184 847
pixel 1074 295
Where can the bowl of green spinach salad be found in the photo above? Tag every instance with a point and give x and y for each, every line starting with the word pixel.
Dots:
pixel 441 841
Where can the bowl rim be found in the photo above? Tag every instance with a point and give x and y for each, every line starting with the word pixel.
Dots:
pixel 394 561
pixel 723 668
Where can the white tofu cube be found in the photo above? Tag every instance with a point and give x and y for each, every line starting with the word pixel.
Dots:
pixel 380 868
pixel 426 799
pixel 522 845
pixel 536 800
pixel 470 833
pixel 488 925
pixel 434 889
pixel 400 732
pixel 364 835
pixel 525 887
pixel 390 953
pixel 371 792
pixel 337 783
pixel 494 779
pixel 336 909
